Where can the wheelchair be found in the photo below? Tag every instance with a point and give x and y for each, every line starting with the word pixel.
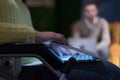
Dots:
pixel 52 68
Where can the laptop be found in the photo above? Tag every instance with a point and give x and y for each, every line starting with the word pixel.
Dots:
pixel 88 44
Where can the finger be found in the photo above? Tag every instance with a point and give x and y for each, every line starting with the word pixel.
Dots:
pixel 61 38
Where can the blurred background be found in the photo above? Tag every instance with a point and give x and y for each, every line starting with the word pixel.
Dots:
pixel 54 15
pixel 58 15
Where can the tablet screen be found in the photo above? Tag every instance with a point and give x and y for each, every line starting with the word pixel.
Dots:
pixel 64 54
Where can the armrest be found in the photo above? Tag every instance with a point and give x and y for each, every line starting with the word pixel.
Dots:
pixel 115 30
pixel 115 54
pixel 39 51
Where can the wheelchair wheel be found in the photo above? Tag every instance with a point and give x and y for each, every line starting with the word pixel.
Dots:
pixel 6 76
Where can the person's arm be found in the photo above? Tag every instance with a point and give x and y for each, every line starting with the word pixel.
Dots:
pixel 105 41
pixel 10 33
pixel 13 33
pixel 75 30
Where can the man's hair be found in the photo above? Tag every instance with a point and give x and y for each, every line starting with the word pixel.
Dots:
pixel 90 3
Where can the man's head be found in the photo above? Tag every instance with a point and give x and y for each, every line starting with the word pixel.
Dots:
pixel 90 10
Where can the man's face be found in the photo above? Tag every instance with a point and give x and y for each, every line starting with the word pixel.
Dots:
pixel 90 11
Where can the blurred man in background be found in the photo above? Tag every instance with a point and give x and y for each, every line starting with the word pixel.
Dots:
pixel 92 26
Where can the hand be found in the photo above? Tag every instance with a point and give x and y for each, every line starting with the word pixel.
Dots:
pixel 45 36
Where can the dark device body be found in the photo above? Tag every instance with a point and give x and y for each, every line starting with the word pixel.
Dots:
pixel 100 70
